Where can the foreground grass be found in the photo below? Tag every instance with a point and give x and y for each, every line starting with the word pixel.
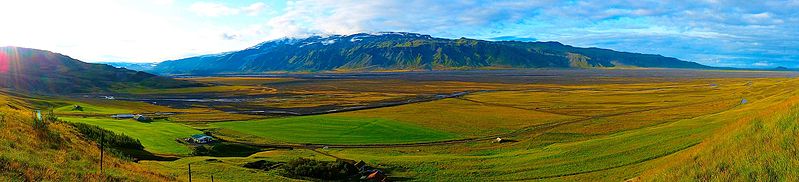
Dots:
pixel 157 137
pixel 336 130
pixel 57 152
pixel 763 147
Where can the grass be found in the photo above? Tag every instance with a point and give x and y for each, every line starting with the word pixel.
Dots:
pixel 57 153
pixel 230 168
pixel 761 147
pixel 623 155
pixel 686 130
pixel 461 117
pixel 91 109
pixel 157 137
pixel 336 130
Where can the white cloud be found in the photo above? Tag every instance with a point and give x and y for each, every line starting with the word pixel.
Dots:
pixel 761 64
pixel 254 9
pixel 212 9
pixel 303 17
pixel 216 9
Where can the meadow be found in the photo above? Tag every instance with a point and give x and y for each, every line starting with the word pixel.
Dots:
pixel 335 130
pixel 157 137
pixel 652 126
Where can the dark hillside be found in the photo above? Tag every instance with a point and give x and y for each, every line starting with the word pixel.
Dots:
pixel 39 71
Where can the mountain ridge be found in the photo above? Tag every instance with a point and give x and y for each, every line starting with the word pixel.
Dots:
pixel 409 51
pixel 42 71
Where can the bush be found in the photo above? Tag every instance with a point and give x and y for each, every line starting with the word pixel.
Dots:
pixel 326 170
pixel 261 164
pixel 225 149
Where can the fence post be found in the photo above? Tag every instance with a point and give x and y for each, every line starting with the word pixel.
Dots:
pixel 102 150
pixel 189 172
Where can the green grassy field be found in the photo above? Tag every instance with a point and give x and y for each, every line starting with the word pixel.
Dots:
pixel 461 117
pixel 157 137
pixel 621 155
pixel 660 131
pixel 336 130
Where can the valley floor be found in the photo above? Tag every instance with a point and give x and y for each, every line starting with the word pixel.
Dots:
pixel 640 125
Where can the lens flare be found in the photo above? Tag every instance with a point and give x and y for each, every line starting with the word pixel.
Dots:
pixel 4 62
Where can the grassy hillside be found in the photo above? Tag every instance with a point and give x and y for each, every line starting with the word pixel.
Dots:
pixel 56 152
pixel 762 146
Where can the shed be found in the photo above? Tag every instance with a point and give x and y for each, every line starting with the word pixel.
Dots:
pixel 201 138
pixel 142 118
pixel 376 176
pixel 497 140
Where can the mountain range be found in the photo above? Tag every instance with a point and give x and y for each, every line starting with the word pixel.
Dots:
pixel 408 51
pixel 40 71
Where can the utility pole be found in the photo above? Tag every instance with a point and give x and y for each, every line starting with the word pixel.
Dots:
pixel 189 172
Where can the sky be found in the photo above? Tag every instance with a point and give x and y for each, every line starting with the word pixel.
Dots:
pixel 746 34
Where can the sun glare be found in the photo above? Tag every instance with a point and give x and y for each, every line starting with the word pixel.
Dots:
pixel 4 62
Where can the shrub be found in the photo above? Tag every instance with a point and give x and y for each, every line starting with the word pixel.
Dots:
pixel 39 124
pixel 261 164
pixel 50 116
pixel 326 170
pixel 225 149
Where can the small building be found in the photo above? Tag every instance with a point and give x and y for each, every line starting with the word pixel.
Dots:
pixel 142 118
pixel 376 175
pixel 201 139
pixel 498 140
pixel 122 116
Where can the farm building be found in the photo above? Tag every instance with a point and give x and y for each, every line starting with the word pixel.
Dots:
pixel 201 138
pixel 497 140
pixel 374 175
pixel 122 116
pixel 142 118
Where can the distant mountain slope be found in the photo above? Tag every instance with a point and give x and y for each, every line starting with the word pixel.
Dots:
pixel 403 51
pixel 40 71
pixel 133 66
